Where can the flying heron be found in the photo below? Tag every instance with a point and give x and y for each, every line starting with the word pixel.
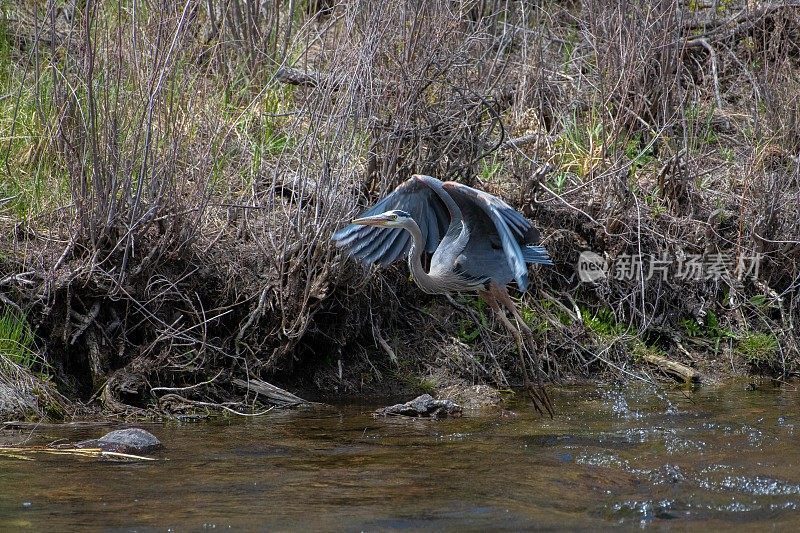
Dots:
pixel 479 244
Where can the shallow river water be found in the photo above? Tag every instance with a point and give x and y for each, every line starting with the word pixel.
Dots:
pixel 716 457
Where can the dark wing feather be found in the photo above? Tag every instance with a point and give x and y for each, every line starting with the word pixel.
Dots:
pixel 373 244
pixel 378 247
pixel 537 255
pixel 513 229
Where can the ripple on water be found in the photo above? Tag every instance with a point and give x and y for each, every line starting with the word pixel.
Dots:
pixel 608 460
pixel 757 486
pixel 618 402
pixel 668 473
pixel 673 441
pixel 611 456
pixel 602 459
pixel 643 510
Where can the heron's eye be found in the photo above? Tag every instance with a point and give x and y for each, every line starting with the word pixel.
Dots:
pixel 394 217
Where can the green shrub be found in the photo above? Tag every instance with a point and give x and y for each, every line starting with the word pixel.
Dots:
pixel 603 322
pixel 16 339
pixel 760 350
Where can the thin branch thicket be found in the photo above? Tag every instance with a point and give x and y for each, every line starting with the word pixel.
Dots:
pixel 154 213
pixel 197 156
pixel 403 110
pixel 656 95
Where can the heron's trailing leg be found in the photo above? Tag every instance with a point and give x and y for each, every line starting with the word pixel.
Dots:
pixel 539 393
pixel 496 296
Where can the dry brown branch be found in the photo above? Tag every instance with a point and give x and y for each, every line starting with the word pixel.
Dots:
pixel 293 76
pixel 739 23
pixel 705 44
pixel 673 368
pixel 272 393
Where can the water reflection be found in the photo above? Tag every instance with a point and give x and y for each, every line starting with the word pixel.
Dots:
pixel 714 457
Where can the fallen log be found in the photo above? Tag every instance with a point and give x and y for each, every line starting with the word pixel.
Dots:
pixel 673 368
pixel 275 395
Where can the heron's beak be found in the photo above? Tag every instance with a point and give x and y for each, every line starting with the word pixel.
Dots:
pixel 376 220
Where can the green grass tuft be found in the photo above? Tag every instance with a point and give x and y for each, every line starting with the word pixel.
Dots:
pixel 639 349
pixel 760 350
pixel 16 339
pixel 30 176
pixel 639 156
pixel 582 145
pixel 489 170
pixel 468 330
pixel 712 331
pixel 538 325
pixel 603 322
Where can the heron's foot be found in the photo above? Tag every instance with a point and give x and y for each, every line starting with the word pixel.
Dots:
pixel 537 392
pixel 538 395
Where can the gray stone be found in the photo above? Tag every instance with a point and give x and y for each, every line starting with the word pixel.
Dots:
pixel 132 441
pixel 472 396
pixel 424 406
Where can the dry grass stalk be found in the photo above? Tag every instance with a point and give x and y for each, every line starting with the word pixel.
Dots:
pixel 28 453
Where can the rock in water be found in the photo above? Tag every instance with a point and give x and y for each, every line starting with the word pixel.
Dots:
pixel 472 396
pixel 422 407
pixel 131 441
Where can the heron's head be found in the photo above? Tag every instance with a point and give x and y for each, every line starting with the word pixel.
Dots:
pixel 390 219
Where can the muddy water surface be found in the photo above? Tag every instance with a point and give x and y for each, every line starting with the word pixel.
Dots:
pixel 718 457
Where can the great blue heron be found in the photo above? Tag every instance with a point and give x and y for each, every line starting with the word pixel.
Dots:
pixel 479 244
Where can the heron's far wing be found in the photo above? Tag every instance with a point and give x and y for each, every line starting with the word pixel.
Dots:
pixel 537 255
pixel 511 226
pixel 417 196
pixel 513 218
pixel 526 233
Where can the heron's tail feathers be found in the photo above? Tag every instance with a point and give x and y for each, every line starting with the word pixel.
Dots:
pixel 537 255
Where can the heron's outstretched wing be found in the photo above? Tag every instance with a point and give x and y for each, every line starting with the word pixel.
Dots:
pixel 420 196
pixel 515 231
pixel 537 255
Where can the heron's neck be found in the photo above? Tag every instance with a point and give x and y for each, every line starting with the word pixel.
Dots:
pixel 422 278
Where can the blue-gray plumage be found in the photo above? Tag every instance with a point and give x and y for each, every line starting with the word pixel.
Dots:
pixel 478 243
pixel 497 244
